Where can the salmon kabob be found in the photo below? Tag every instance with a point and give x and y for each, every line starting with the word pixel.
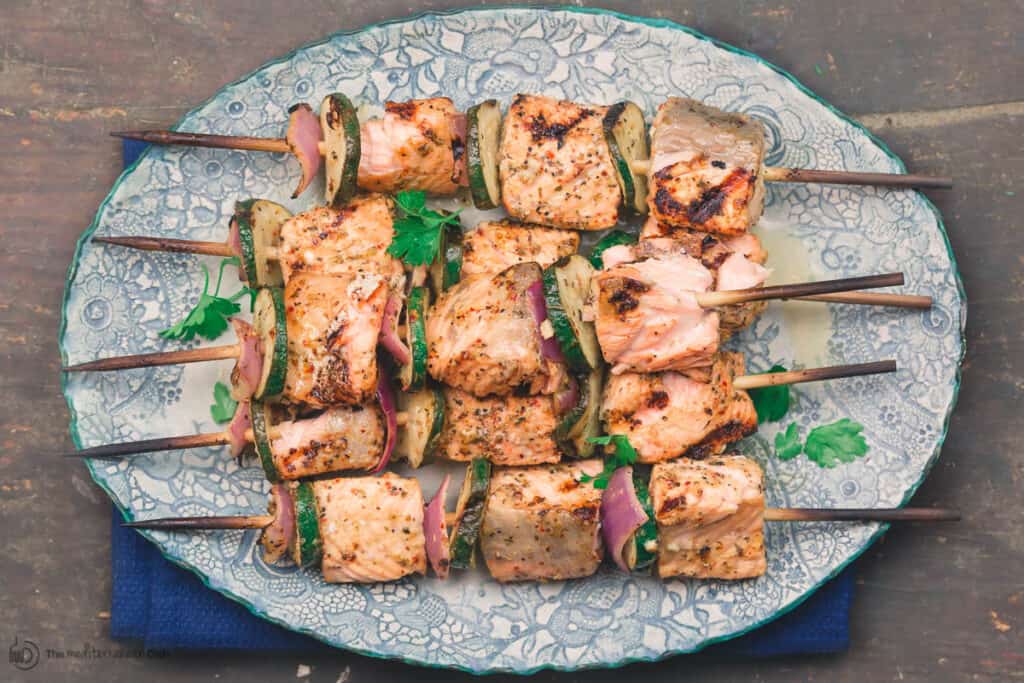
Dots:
pixel 694 518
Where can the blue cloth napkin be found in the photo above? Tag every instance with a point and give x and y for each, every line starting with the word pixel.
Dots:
pixel 168 608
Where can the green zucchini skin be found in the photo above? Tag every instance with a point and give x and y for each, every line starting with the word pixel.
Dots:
pixel 626 134
pixel 338 117
pixel 613 238
pixel 589 424
pixel 279 355
pixel 418 440
pixel 625 175
pixel 261 440
pixel 569 422
pixel 559 318
pixel 565 306
pixel 477 165
pixel 649 531
pixel 470 520
pixel 308 542
pixel 452 256
pixel 414 374
pixel 247 261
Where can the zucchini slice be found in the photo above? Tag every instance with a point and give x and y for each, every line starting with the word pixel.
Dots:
pixel 589 424
pixel 265 220
pixel 342 148
pixel 483 134
pixel 645 539
pixel 247 239
pixel 469 514
pixel 260 414
pixel 626 133
pixel 414 373
pixel 567 423
pixel 309 547
pixel 270 325
pixel 613 239
pixel 566 288
pixel 446 271
pixel 425 419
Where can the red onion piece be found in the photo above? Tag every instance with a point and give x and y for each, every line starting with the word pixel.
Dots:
pixel 568 396
pixel 279 536
pixel 388 337
pixel 303 137
pixel 435 530
pixel 245 376
pixel 621 514
pixel 241 422
pixel 386 398
pixel 460 176
pixel 549 347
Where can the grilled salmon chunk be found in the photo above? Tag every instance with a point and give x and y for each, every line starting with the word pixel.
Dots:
pixel 646 313
pixel 710 517
pixel 507 430
pixel 668 415
pixel 416 145
pixel 482 336
pixel 372 528
pixel 496 245
pixel 333 324
pixel 542 524
pixel 706 168
pixel 346 241
pixel 340 438
pixel 555 165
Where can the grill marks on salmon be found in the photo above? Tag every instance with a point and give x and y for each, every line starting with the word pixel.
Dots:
pixel 482 337
pixel 341 438
pixel 669 415
pixel 333 323
pixel 348 241
pixel 416 145
pixel 372 528
pixel 509 430
pixel 494 246
pixel 706 168
pixel 710 517
pixel 646 314
pixel 555 165
pixel 542 524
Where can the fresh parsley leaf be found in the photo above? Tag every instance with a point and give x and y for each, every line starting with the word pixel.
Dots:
pixel 771 403
pixel 624 455
pixel 788 444
pixel 223 407
pixel 417 238
pixel 839 442
pixel 209 317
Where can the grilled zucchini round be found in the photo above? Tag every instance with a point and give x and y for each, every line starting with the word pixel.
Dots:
pixel 469 514
pixel 483 134
pixel 566 288
pixel 309 548
pixel 260 415
pixel 414 373
pixel 342 148
pixel 270 325
pixel 626 133
pixel 425 419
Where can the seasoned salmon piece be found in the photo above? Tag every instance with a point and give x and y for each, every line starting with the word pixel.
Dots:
pixel 706 168
pixel 372 528
pixel 647 317
pixel 496 245
pixel 341 438
pixel 482 336
pixel 333 324
pixel 507 430
pixel 668 415
pixel 416 145
pixel 347 241
pixel 542 524
pixel 710 517
pixel 555 165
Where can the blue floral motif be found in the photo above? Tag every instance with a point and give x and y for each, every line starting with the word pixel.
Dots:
pixel 117 301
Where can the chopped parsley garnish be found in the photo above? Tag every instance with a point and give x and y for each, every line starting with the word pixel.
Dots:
pixel 771 403
pixel 839 442
pixel 624 455
pixel 417 237
pixel 223 407
pixel 788 444
pixel 210 316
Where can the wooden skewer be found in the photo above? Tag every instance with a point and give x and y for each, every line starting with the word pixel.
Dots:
pixel 116 451
pixel 872 299
pixel 146 360
pixel 739 296
pixel 774 379
pixel 778 174
pixel 173 137
pixel 770 515
pixel 168 244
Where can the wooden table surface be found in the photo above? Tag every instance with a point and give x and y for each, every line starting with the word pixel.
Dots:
pixel 942 83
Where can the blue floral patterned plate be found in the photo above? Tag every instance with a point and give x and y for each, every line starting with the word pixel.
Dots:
pixel 116 302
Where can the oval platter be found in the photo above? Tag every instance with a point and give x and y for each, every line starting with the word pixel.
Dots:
pixel 117 301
